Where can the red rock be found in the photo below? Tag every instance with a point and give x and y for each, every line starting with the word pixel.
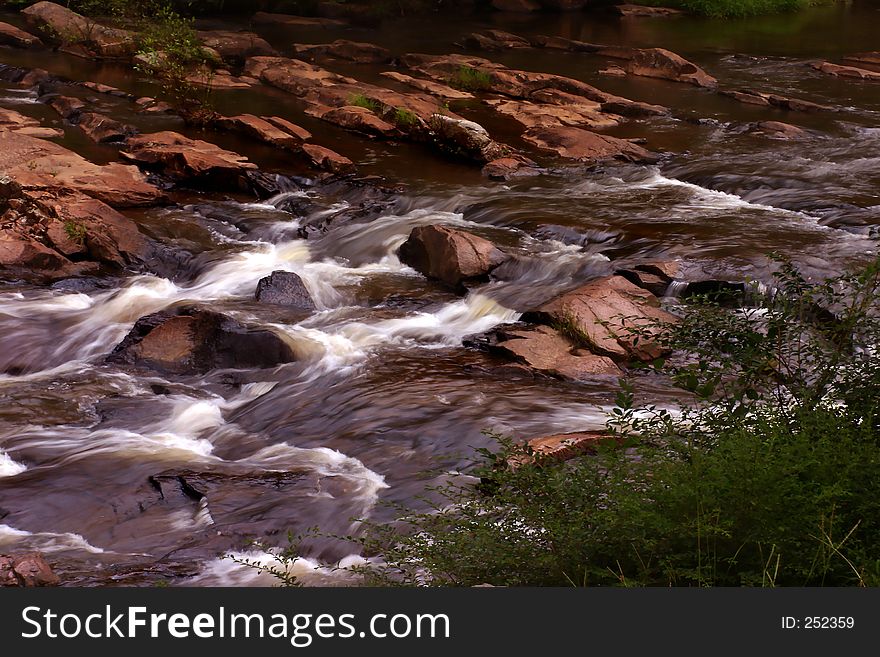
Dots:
pixel 577 144
pixel 752 97
pixel 778 130
pixel 262 130
pixel 585 114
pixel 235 46
pixel 846 71
pixel 66 106
pixel 505 168
pixel 86 35
pixel 357 119
pixel 495 40
pixel 27 570
pixel 360 53
pixel 429 86
pixel 327 159
pixel 449 255
pixel 266 18
pixel 103 129
pixel 641 11
pixel 13 121
pixel 288 127
pixel 547 350
pixel 13 36
pixel 667 65
pixel 565 446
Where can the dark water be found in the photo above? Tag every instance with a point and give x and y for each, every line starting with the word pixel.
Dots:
pixel 384 401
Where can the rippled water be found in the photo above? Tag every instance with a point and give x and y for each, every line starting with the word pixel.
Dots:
pixel 383 400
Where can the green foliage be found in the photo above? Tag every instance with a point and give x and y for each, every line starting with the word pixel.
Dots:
pixel 768 477
pixel 467 78
pixel 360 100
pixel 405 119
pixel 280 561
pixel 75 231
pixel 735 8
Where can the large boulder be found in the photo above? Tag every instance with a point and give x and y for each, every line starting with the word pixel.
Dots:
pixel 13 36
pixel 284 288
pixel 465 139
pixel 235 47
pixel 667 65
pixel 194 341
pixel 88 38
pixel 192 160
pixel 449 255
pixel 578 144
pixel 608 315
pixel 37 164
pixel 26 570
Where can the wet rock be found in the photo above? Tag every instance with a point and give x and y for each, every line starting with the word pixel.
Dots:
pixel 546 350
pixel 613 71
pixel 103 129
pixel 776 130
pixel 751 97
pixel 292 75
pixel 869 59
pixel 267 18
pixel 193 160
pixel 505 168
pixel 87 37
pixel 839 70
pixel 561 446
pixel 26 570
pixel 562 43
pixel 235 47
pixel 13 36
pixel 100 88
pixel 603 314
pixel 290 128
pixel 360 53
pixel 12 121
pixel 327 159
pixel 642 11
pixel 586 114
pixel 522 6
pixel 284 288
pixel 35 77
pixel 355 118
pixel 465 139
pixel 67 106
pixel 653 277
pixel 37 164
pixel 428 86
pixel 194 341
pixel 268 131
pixel 449 255
pixel 495 40
pixel 667 65
pixel 585 146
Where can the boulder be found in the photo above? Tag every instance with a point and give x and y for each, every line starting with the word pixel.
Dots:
pixel 284 288
pixel 356 119
pixel 450 255
pixel 604 313
pixel 26 570
pixel 193 160
pixel 87 37
pixel 585 114
pixel 67 106
pixel 667 65
pixel 12 121
pixel 495 40
pixel 13 36
pixel 37 164
pixel 560 447
pixel 290 128
pixel 292 75
pixel 585 146
pixel 428 86
pixel 839 70
pixel 194 341
pixel 505 168
pixel 869 59
pixel 327 159
pixel 104 130
pixel 751 97
pixel 465 139
pixel 235 47
pixel 776 130
pixel 264 130
pixel 354 51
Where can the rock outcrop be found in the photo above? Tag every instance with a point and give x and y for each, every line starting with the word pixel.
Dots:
pixel 194 341
pixel 661 63
pixel 353 51
pixel 274 133
pixel 78 34
pixel 235 47
pixel 839 70
pixel 752 97
pixel 450 255
pixel 585 146
pixel 13 36
pixel 12 121
pixel 26 570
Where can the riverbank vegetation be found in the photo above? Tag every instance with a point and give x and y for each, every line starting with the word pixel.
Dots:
pixel 735 8
pixel 766 476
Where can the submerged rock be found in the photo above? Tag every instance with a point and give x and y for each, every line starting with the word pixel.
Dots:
pixel 26 570
pixel 284 288
pixel 193 341
pixel 449 255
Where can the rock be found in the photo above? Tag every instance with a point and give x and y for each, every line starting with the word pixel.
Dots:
pixel 35 77
pixel 586 114
pixel 449 255
pixel 564 5
pixel 522 6
pixel 266 18
pixel 839 70
pixel 577 144
pixel 613 71
pixel 264 130
pixel 284 288
pixel 465 139
pixel 360 53
pixel 495 40
pixel 12 36
pixel 653 277
pixel 751 97
pixel 641 11
pixel 548 351
pixel 103 129
pixel 505 168
pixel 62 25
pixel 100 88
pixel 292 75
pixel 357 119
pixel 27 570
pixel 776 130
pixel 194 341
pixel 562 43
pixel 13 121
pixel 869 59
pixel 67 106
pixel 602 313
pixel 193 160
pixel 38 165
pixel 327 159
pixel 290 128
pixel 428 86
pixel 667 65
pixel 566 446
pixel 235 47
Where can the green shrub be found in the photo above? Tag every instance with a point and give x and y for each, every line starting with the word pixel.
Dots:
pixel 405 119
pixel 467 78
pixel 735 8
pixel 769 476
pixel 360 100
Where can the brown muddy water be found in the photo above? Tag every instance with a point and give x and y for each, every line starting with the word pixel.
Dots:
pixel 384 400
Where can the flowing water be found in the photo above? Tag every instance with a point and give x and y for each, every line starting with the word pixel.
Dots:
pixel 383 400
